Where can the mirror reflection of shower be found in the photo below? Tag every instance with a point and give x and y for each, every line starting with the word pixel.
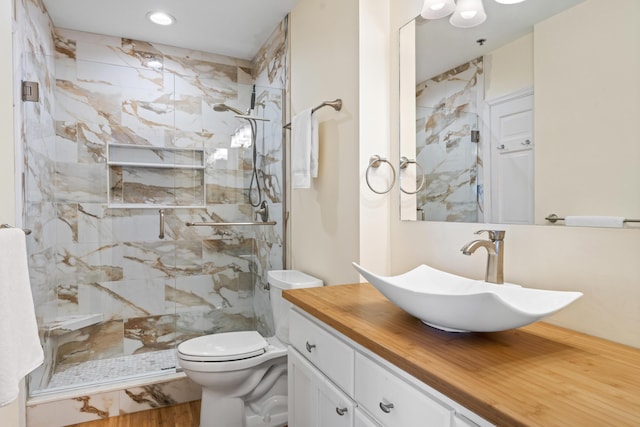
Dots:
pixel 245 136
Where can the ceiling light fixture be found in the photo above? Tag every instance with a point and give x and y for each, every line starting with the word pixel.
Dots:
pixel 436 9
pixel 160 18
pixel 468 13
pixel 464 14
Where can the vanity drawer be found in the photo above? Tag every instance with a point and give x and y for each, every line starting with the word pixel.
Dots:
pixel 332 356
pixel 392 401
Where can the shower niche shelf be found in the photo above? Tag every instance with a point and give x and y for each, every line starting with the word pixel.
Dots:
pixel 145 176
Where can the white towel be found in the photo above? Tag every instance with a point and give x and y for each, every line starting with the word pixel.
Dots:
pixel 20 349
pixel 304 149
pixel 594 221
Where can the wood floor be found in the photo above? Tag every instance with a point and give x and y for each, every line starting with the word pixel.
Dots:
pixel 181 415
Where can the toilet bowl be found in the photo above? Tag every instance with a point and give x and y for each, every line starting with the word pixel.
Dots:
pixel 242 374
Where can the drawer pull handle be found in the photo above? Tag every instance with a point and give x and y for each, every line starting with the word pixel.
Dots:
pixel 386 407
pixel 310 346
pixel 342 411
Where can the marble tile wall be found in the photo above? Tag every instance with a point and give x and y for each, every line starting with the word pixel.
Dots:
pixel 33 53
pixel 90 257
pixel 447 112
pixel 102 405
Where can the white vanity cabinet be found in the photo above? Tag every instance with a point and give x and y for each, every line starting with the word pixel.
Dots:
pixel 324 350
pixel 362 420
pixel 334 381
pixel 314 401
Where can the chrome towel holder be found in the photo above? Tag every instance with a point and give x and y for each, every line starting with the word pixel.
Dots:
pixel 26 230
pixel 553 218
pixel 374 162
pixel 336 104
pixel 404 163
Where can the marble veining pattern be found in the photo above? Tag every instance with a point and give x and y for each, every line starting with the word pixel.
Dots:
pixel 124 400
pixel 447 112
pixel 88 258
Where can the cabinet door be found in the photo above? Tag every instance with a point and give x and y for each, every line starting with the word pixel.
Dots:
pixel 314 401
pixel 363 420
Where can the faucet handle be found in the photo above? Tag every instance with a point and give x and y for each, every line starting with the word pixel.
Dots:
pixel 494 235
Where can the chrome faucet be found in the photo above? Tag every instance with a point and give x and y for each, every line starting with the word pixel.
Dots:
pixel 495 251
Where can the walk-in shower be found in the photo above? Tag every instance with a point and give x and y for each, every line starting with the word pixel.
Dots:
pixel 113 300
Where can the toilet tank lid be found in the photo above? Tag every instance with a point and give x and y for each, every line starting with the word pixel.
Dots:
pixel 292 279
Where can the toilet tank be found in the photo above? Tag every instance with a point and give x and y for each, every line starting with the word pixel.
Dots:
pixel 280 280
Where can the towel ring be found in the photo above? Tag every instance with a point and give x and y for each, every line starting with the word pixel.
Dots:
pixel 404 163
pixel 374 162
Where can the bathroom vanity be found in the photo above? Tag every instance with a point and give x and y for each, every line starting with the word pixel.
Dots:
pixel 358 360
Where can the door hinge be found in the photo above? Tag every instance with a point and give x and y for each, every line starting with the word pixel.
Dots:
pixel 30 91
pixel 475 136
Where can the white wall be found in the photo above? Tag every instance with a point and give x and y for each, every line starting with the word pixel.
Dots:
pixel 588 121
pixel 509 68
pixel 374 69
pixel 602 263
pixel 324 220
pixel 7 169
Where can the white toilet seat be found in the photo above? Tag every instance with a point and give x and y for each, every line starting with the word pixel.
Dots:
pixel 223 347
pixel 273 349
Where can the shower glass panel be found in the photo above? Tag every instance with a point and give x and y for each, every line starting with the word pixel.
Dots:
pixel 113 300
pixel 448 157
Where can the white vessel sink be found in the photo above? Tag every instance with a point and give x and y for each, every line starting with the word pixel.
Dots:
pixel 457 304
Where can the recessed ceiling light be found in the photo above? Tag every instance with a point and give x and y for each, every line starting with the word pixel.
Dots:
pixel 160 18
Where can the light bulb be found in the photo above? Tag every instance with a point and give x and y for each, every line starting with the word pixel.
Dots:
pixel 160 18
pixel 468 13
pixel 435 9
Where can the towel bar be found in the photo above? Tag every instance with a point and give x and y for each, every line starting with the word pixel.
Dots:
pixel 553 218
pixel 26 230
pixel 227 224
pixel 336 104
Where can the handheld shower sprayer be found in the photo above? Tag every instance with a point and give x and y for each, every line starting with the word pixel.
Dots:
pixel 254 184
pixel 224 107
pixel 253 98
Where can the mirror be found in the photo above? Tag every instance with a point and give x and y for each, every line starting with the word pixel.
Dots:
pixel 530 114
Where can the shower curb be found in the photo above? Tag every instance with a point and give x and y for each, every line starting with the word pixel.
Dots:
pixel 101 402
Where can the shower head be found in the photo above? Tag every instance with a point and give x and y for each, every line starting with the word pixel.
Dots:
pixel 225 107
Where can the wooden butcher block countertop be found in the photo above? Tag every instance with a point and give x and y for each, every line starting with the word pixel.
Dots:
pixel 538 375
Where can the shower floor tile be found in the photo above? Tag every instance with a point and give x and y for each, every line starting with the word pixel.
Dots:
pixel 105 370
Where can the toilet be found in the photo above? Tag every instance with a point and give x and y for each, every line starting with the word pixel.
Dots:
pixel 243 375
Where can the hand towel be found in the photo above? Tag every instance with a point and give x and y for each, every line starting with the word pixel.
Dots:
pixel 304 149
pixel 20 349
pixel 594 221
